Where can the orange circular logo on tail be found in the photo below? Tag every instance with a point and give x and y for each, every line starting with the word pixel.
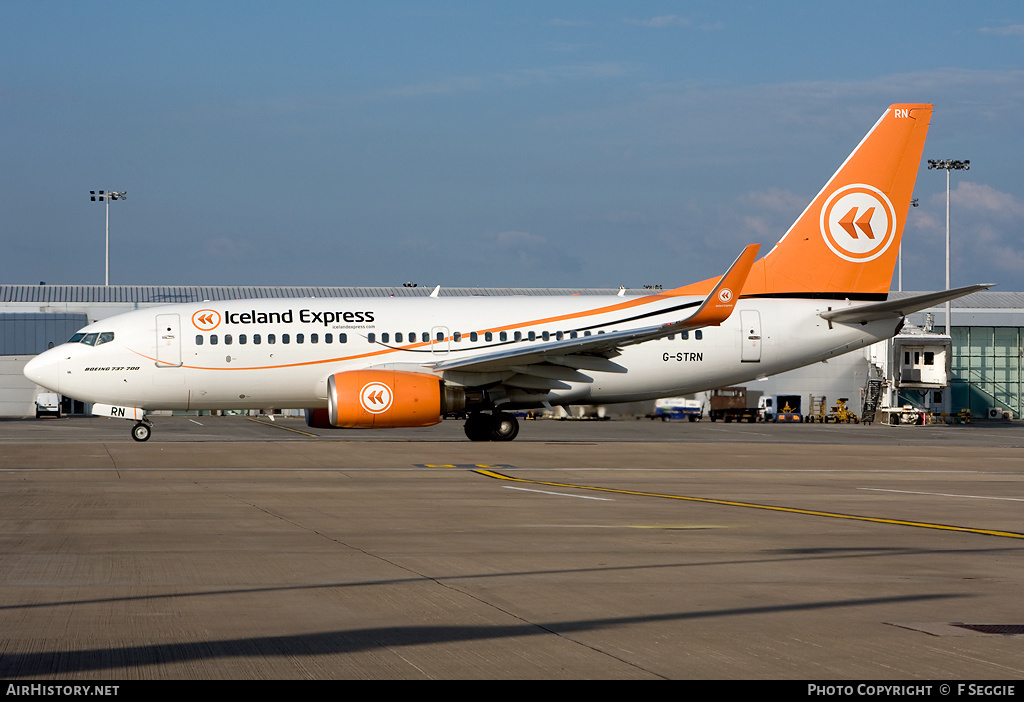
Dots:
pixel 858 223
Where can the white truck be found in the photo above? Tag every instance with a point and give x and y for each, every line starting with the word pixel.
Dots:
pixel 47 403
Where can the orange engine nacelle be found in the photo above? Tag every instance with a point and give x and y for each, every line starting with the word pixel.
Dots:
pixel 373 399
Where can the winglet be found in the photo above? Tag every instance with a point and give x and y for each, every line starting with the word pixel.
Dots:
pixel 719 304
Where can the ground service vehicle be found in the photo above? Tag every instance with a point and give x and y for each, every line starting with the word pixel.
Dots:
pixel 730 405
pixel 47 403
pixel 781 408
pixel 678 408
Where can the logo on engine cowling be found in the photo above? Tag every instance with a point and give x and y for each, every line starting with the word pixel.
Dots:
pixel 376 397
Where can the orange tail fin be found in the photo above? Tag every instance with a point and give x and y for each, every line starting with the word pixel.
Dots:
pixel 846 242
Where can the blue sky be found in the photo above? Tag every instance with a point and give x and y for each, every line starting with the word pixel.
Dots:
pixel 560 144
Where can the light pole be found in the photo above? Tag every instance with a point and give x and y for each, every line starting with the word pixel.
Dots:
pixel 948 165
pixel 900 259
pixel 106 196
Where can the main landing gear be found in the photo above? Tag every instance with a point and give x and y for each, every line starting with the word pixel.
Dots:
pixel 142 430
pixel 497 426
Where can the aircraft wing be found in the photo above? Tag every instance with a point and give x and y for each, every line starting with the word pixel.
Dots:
pixel 548 365
pixel 894 309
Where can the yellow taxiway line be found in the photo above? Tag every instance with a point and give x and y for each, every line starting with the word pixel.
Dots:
pixel 773 508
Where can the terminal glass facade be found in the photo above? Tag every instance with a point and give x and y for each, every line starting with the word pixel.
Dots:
pixel 986 370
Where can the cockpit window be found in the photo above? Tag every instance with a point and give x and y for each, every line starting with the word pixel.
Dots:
pixel 94 339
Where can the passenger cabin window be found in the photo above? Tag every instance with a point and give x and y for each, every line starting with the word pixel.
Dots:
pixel 227 340
pixel 300 338
pixel 242 339
pixel 271 338
pixel 257 339
pixel 213 339
pixel 286 338
pixel 342 338
pixel 328 338
pixel 314 338
pixel 371 337
pixel 199 339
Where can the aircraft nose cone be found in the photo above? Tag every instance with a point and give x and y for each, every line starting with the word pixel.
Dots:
pixel 43 370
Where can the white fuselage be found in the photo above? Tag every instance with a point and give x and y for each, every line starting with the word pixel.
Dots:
pixel 278 353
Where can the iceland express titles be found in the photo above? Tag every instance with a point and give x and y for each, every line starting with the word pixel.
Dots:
pixel 305 317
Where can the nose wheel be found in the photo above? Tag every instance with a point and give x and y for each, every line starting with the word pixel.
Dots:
pixel 141 431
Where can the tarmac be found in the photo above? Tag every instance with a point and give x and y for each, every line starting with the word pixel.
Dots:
pixel 244 549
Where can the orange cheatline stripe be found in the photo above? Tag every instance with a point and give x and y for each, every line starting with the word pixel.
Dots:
pixel 646 299
pixel 773 508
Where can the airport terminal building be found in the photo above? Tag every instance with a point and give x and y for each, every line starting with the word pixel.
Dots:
pixel 982 357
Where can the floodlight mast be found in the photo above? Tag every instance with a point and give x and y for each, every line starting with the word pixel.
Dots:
pixel 914 203
pixel 106 196
pixel 948 165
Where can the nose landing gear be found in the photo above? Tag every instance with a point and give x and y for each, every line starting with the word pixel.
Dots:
pixel 142 430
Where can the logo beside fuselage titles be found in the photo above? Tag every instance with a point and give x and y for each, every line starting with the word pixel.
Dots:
pixel 858 223
pixel 206 320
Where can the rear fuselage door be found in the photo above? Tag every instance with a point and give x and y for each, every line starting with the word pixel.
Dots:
pixel 750 337
pixel 168 341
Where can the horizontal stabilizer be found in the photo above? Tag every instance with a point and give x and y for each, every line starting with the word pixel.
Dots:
pixel 894 309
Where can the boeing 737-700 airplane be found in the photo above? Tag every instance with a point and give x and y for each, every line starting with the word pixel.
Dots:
pixel 398 362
